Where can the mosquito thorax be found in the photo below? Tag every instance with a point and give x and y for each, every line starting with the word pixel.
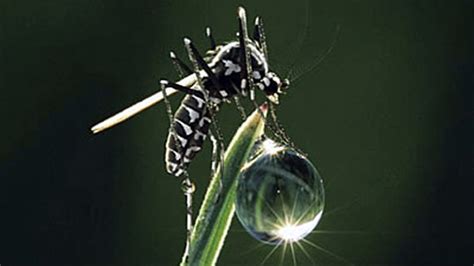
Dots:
pixel 227 64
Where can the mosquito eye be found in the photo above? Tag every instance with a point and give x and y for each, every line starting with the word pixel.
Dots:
pixel 272 88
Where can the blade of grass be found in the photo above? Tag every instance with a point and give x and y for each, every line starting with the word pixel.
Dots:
pixel 218 208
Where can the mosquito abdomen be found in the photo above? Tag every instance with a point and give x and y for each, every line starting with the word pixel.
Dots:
pixel 189 130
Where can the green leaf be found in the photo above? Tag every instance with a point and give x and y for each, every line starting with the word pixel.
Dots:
pixel 218 208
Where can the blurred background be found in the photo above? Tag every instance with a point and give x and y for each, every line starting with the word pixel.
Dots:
pixel 387 118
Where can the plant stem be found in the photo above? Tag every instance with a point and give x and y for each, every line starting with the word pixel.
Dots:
pixel 218 208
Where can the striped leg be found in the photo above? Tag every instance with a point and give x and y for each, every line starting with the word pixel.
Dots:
pixel 245 57
pixel 259 36
pixel 215 146
pixel 246 65
pixel 211 38
pixel 187 186
pixel 240 107
pixel 217 159
pixel 178 87
pixel 217 153
pixel 198 62
pixel 278 130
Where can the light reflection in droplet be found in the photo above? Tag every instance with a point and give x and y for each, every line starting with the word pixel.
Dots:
pixel 294 232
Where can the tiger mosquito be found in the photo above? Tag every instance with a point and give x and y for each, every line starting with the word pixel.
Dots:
pixel 228 71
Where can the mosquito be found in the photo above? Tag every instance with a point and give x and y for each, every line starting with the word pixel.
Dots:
pixel 229 71
pixel 226 72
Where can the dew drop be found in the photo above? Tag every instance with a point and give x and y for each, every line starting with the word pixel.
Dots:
pixel 280 194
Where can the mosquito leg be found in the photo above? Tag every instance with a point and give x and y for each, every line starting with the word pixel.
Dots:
pixel 217 160
pixel 169 111
pixel 240 107
pixel 187 186
pixel 211 38
pixel 214 162
pixel 176 86
pixel 245 58
pixel 273 125
pixel 259 36
pixel 218 143
pixel 181 67
pixel 256 31
pixel 198 62
pixel 221 163
pixel 245 61
pixel 164 84
pixel 279 130
pixel 218 153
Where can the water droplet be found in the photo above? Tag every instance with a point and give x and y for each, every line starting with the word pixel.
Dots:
pixel 280 195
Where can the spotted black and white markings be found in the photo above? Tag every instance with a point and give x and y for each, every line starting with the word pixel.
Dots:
pixel 191 126
pixel 226 75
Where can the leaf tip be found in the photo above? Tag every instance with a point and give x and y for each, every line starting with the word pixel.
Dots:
pixel 264 108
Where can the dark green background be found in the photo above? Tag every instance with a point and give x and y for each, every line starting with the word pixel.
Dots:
pixel 387 118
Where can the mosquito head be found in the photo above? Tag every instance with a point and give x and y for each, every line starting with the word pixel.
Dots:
pixel 273 86
pixel 285 84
